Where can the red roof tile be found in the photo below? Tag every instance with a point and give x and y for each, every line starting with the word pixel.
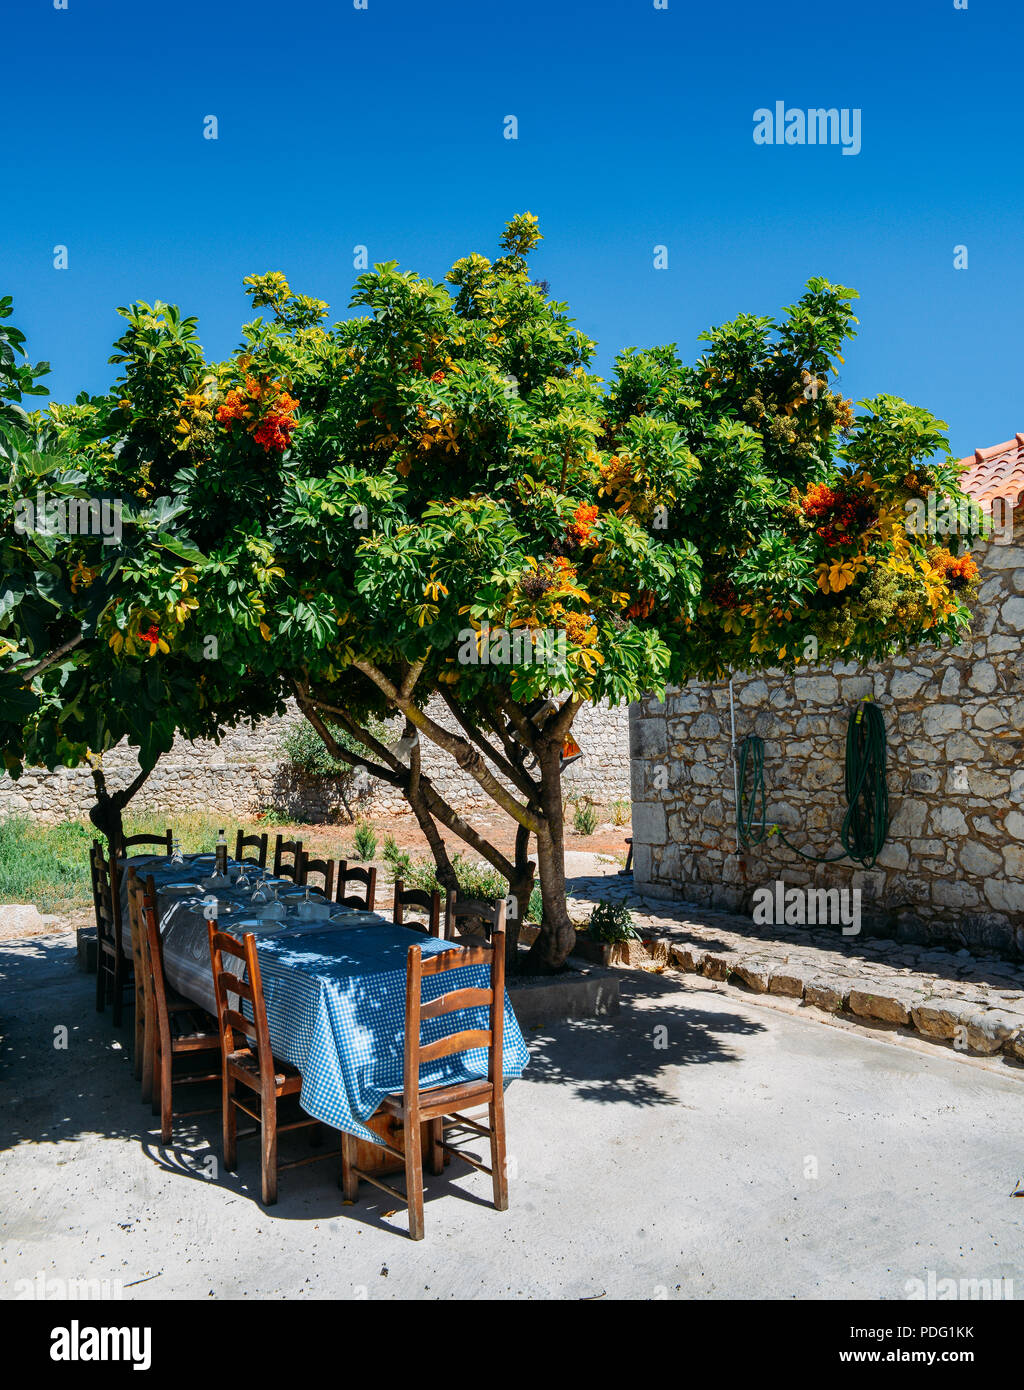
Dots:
pixel 996 472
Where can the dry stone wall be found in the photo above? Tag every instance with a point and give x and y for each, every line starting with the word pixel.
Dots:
pixel 953 866
pixel 247 773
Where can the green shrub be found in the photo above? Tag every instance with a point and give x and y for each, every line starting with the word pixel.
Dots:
pixel 399 860
pixel 475 880
pixel 306 750
pixel 365 840
pixel 611 922
pixel 622 813
pixel 584 819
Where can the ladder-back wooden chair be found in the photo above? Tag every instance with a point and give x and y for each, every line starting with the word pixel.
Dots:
pixel 165 841
pixel 471 918
pixel 419 901
pixel 282 867
pixel 412 1107
pixel 249 1062
pixel 256 842
pixel 179 1028
pixel 114 967
pixel 345 876
pixel 322 868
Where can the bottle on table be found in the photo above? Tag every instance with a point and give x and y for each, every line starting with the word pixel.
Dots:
pixel 222 854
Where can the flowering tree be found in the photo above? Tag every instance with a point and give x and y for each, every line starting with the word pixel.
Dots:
pixel 439 499
pixel 460 509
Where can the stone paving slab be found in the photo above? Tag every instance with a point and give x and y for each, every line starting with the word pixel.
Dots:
pixel 974 1001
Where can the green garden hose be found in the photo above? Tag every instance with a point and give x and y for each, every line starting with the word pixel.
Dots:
pixel 866 823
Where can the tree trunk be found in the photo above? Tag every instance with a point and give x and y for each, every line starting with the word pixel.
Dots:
pixel 557 934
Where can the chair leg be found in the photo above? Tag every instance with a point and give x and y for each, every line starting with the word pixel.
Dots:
pixel 118 989
pixel 229 1123
pixel 436 1142
pixel 268 1146
pixel 412 1140
pixel 166 1064
pixel 496 1121
pixel 147 1056
pixel 101 981
pixel 140 1032
pixel 349 1181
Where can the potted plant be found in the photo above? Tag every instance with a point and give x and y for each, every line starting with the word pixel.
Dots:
pixel 607 935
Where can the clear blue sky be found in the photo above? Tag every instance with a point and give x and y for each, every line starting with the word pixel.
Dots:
pixel 384 127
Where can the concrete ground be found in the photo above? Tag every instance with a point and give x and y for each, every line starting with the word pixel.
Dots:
pixel 698 1145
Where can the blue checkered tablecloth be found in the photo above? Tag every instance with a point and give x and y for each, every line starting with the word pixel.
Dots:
pixel 335 996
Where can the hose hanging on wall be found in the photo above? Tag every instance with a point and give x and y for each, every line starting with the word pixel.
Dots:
pixel 866 823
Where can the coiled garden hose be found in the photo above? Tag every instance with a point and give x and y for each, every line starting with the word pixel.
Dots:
pixel 866 823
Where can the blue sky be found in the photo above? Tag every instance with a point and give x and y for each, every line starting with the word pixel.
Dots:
pixel 383 127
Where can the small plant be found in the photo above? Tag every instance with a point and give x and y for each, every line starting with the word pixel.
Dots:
pixel 584 818
pixel 306 750
pixel 400 860
pixel 365 840
pixel 612 922
pixel 272 816
pixel 622 812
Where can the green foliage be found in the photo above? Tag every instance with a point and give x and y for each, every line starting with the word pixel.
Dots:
pixel 611 922
pixel 399 860
pixel 622 812
pixel 475 880
pixel 365 840
pixel 584 818
pixel 306 750
pixel 45 865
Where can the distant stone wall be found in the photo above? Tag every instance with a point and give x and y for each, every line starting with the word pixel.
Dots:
pixel 953 866
pixel 247 773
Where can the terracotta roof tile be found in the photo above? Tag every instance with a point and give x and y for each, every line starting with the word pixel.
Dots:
pixel 996 472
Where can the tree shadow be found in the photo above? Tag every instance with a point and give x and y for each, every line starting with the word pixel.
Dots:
pixel 623 1059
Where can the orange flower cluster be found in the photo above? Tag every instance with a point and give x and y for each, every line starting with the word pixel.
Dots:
pixel 838 517
pixel 267 407
pixel 581 527
pixel 642 607
pixel 958 572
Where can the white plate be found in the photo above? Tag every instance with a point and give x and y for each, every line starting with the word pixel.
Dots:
pixel 254 924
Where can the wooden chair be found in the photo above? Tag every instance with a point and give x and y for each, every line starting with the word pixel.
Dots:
pixel 421 901
pixel 346 875
pixel 252 1064
pixel 485 911
pixel 166 840
pixel 323 867
pixel 412 1107
pixel 281 869
pixel 178 1027
pixel 256 842
pixel 142 1050
pixel 114 968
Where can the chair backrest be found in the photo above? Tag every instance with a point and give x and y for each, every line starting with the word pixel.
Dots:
pixel 419 968
pixel 134 892
pixel 166 840
pixel 323 867
pixel 281 848
pixel 247 986
pixel 348 875
pixel 458 910
pixel 420 901
pixel 103 898
pixel 256 842
pixel 153 965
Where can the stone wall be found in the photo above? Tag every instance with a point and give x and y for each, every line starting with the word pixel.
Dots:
pixel 953 865
pixel 247 773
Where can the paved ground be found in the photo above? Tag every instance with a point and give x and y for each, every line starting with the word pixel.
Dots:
pixel 700 1145
pixel 974 1000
